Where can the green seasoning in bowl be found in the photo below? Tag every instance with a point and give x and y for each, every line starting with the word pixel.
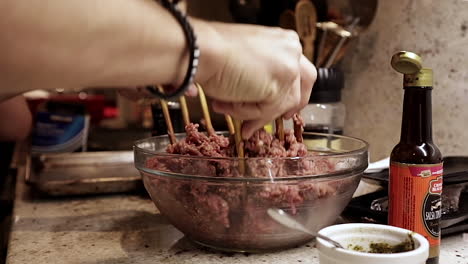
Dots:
pixel 387 242
pixel 386 248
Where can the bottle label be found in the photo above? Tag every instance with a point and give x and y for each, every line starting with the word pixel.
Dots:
pixel 415 199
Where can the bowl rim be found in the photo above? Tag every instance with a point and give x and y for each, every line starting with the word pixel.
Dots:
pixel 338 174
pixel 364 148
pixel 328 176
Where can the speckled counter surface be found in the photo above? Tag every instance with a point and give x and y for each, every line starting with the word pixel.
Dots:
pixel 128 229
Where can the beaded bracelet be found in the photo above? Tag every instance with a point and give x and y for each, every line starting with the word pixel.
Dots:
pixel 194 53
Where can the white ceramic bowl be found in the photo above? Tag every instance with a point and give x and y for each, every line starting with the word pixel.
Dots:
pixel 363 235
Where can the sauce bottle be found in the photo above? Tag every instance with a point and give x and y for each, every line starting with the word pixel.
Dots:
pixel 415 186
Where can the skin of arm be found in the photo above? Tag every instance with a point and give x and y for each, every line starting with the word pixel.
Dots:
pixel 15 121
pixel 48 44
pixel 253 73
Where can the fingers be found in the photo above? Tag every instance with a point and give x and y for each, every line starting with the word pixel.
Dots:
pixel 293 100
pixel 249 127
pixel 249 112
pixel 242 111
pixel 308 77
pixel 256 115
pixel 268 86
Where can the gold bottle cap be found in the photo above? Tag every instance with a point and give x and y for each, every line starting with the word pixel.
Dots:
pixel 410 64
pixel 423 78
pixel 406 62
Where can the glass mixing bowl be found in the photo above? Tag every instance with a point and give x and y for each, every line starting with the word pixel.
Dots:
pixel 222 202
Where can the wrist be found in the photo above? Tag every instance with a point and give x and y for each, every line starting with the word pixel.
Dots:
pixel 210 44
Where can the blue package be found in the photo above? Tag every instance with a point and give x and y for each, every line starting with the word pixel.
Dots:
pixel 59 132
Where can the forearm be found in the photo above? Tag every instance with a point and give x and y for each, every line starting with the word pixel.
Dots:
pixel 55 43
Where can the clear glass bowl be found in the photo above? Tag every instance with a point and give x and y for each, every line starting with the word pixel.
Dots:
pixel 222 202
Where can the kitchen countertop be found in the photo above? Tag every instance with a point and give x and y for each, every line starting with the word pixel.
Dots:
pixel 129 229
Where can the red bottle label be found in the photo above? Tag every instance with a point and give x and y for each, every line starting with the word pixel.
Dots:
pixel 415 199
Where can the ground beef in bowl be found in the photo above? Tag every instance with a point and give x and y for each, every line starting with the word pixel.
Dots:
pixel 231 215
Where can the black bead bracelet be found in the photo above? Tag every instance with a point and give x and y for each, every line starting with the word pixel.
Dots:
pixel 194 53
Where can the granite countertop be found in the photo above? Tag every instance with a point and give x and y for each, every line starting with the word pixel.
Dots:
pixel 129 229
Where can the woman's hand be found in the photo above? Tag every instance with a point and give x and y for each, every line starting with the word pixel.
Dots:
pixel 255 73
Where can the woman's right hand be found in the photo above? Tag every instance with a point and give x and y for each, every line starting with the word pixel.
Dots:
pixel 254 73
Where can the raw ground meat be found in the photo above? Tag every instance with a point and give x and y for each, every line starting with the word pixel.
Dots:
pixel 231 210
pixel 199 144
pixel 261 144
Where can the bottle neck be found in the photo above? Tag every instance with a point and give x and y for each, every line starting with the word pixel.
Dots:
pixel 417 116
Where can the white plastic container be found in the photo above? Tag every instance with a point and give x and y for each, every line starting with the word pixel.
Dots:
pixel 363 235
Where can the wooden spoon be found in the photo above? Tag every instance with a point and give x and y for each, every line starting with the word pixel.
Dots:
pixel 306 20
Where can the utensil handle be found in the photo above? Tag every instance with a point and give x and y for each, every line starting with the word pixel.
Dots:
pixel 343 39
pixel 337 48
pixel 321 47
pixel 279 128
pixel 230 124
pixel 331 241
pixel 167 118
pixel 206 113
pixel 185 111
pixel 239 144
